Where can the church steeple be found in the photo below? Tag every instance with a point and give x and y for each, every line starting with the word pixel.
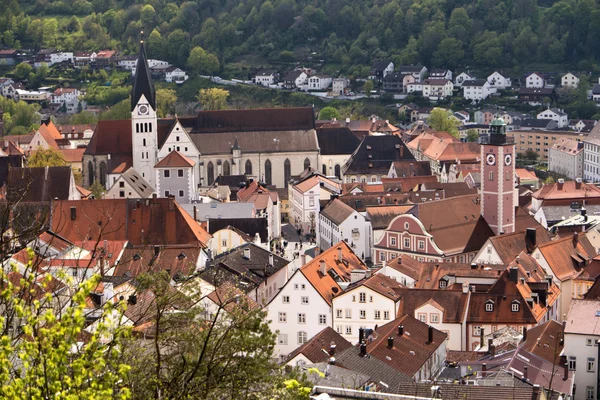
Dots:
pixel 142 83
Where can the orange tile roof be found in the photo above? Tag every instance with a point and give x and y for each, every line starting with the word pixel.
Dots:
pixel 73 155
pixel 566 257
pixel 175 159
pixel 523 173
pixel 444 150
pixel 326 285
pixel 567 190
pixel 314 180
pixel 257 194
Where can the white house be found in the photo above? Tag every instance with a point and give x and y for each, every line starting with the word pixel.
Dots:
pixel 295 79
pixel 440 73
pixel 581 336
pixel 266 77
pixel 339 85
pixel 462 77
pixel 338 221
pixel 555 114
pixel 569 80
pixel 60 56
pixel 175 176
pixel 127 62
pixel 476 90
pixel 174 74
pixel 305 196
pixel 417 71
pixel 591 157
pixel 370 301
pixel 129 185
pixel 319 82
pixel 498 81
pixel 437 88
pixel 302 308
pixel 534 80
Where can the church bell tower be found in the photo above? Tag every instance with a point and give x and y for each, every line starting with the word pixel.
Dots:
pixel 497 179
pixel 144 121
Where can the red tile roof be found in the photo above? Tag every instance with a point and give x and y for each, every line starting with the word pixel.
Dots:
pixel 175 159
pixel 567 190
pixel 316 350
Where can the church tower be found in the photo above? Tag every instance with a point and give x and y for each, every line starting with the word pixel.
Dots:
pixel 144 122
pixel 236 151
pixel 497 179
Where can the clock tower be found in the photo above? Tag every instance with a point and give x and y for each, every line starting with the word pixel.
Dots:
pixel 144 121
pixel 497 179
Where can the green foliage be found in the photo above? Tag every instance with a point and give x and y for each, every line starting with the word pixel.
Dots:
pixel 48 360
pixel 329 113
pixel 442 120
pixel 121 110
pixel 202 61
pixel 46 158
pixel 97 189
pixel 19 117
pixel 165 102
pixel 368 87
pixel 472 135
pixel 83 117
pixel 213 99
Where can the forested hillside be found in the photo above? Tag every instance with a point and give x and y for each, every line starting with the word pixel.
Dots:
pixel 348 34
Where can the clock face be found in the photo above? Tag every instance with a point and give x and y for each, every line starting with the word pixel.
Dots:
pixel 507 159
pixel 490 159
pixel 143 109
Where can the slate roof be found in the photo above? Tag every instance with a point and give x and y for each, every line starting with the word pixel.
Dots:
pixel 38 184
pixel 375 154
pixel 245 273
pixel 336 140
pixel 139 184
pixel 380 65
pixel 142 84
pixel 475 82
pixel 381 216
pixel 337 211
pixel 412 168
pixel 407 69
pixel 317 348
pixel 538 123
pixel 249 226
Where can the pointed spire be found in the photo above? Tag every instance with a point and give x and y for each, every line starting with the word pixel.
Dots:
pixel 142 83
pixel 236 146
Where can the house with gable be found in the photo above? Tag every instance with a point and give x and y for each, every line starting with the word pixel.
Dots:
pixel 499 81
pixel 462 77
pixel 569 80
pixel 437 89
pixel 503 249
pixel 129 185
pixel 303 306
pixel 306 196
pixel 535 80
pixel 555 114
pixel 418 72
pixel 337 143
pixel 440 73
pixel 295 79
pixel 381 69
pixel 477 90
pixel 175 176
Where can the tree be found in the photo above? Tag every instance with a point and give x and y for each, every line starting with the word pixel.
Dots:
pixel 329 113
pixel 22 70
pixel 213 98
pixel 192 352
pixel 46 158
pixel 120 110
pixel 472 135
pixel 165 101
pixel 442 120
pixel 449 53
pixel 368 87
pixel 97 189
pixel 202 61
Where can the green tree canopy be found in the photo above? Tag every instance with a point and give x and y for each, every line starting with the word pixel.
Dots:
pixel 213 98
pixel 329 113
pixel 442 120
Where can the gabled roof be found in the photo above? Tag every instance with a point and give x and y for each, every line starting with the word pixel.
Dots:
pixel 174 259
pixel 335 139
pixel 175 160
pixel 375 154
pixel 408 266
pixel 142 84
pixel 454 302
pixel 568 255
pixel 475 82
pixel 111 137
pixel 231 298
pixel 567 190
pixel 316 350
pixel 40 184
pixel 256 193
pixel 337 211
pixel 379 283
pixel 249 226
pixel 510 245
pixel 583 317
pixel 381 216
pixel 412 168
pixel 338 270
pixel 380 65
pixel 545 340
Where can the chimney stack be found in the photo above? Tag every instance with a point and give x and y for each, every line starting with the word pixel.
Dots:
pixel 490 344
pixel 332 361
pixel 578 183
pixel 390 342
pixel 271 259
pixel 524 333
pixel 575 239
pixel 400 330
pixel 363 349
pixel 530 235
pixel 156 251
pixel 584 214
pixel 195 214
pixel 481 336
pixel 483 369
pixel 513 274
pixel 171 202
pixel 430 335
pixel 560 184
pixel 247 253
pixel 323 267
pixel 340 257
pixel 525 374
pixel 303 259
pixel 361 335
pixel 465 287
pixel 566 371
pixel 332 348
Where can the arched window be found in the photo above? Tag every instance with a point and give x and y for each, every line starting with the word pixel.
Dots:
pixel 248 169
pixel 324 169
pixel 268 177
pixel 102 176
pixel 211 173
pixel 306 163
pixel 90 173
pixel 226 170
pixel 338 170
pixel 287 172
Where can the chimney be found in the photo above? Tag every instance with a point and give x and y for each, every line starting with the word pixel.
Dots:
pixel 490 344
pixel 303 259
pixel 481 336
pixel 332 361
pixel 363 349
pixel 513 274
pixel 195 214
pixel 361 335
pixel 566 371
pixel 483 369
pixel 271 259
pixel 347 120
pixel 156 251
pixel 524 333
pixel 430 335
pixel 465 287
pixel 332 348
pixel 584 215
pixel 339 249
pixel 575 239
pixel 390 342
pixel 560 184
pixel 247 253
pixel 171 202
pixel 473 288
pixel 400 330
pixel 323 267
pixel 525 374
pixel 530 236
pixel 578 183
pixel 73 213
pixel 402 153
pixel 493 351
pixel 473 265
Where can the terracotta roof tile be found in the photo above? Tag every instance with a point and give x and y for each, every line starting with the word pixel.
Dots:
pixel 381 216
pixel 567 190
pixel 567 256
pixel 510 245
pixel 231 298
pixel 337 211
pixel 175 159
pixel 454 302
pixel 545 340
pixel 316 349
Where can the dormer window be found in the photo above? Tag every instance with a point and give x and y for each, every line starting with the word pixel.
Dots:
pixel 489 306
pixel 443 284
pixel 514 306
